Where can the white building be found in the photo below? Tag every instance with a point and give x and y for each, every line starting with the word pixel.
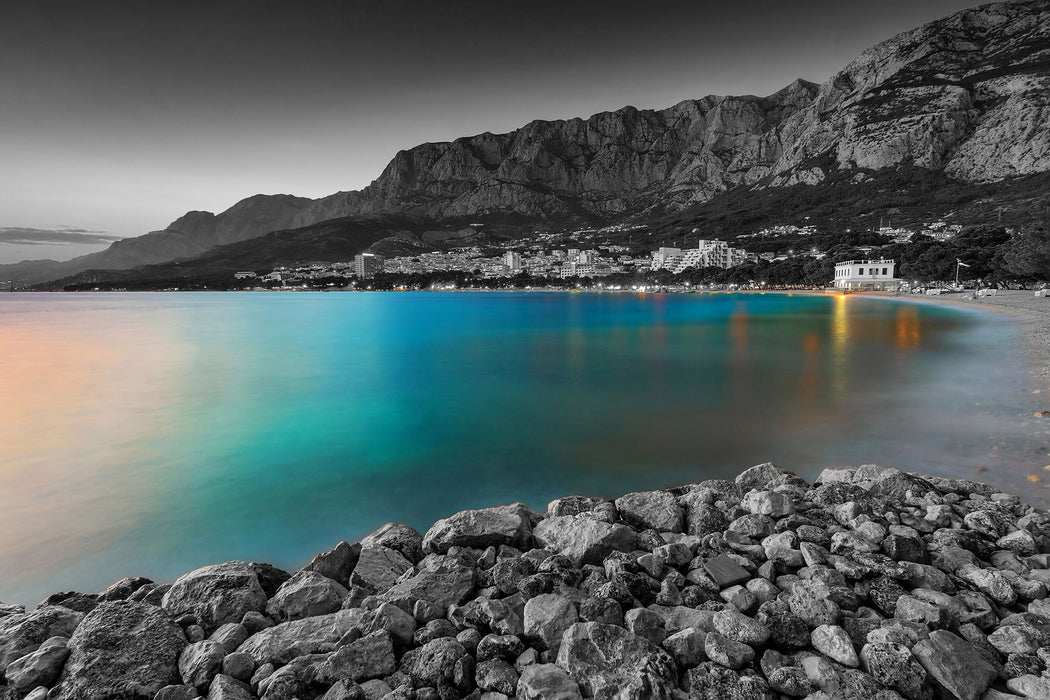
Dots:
pixel 367 265
pixel 865 274
pixel 512 260
pixel 707 253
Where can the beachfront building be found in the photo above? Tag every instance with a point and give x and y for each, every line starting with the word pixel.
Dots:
pixel 366 265
pixel 705 254
pixel 875 275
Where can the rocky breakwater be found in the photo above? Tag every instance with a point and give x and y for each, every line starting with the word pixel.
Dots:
pixel 870 584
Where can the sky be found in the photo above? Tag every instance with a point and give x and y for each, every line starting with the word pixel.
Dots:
pixel 118 117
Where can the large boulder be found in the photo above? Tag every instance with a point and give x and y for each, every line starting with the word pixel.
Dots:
pixel 399 536
pixel 38 668
pixel 487 527
pixel 370 657
pixel 121 649
pixel 547 616
pixel 282 643
pixel 547 682
pixel 954 664
pixel 306 594
pixel 216 594
pixel 336 564
pixel 609 661
pixel 583 539
pixel 440 663
pixel 651 510
pixel 23 633
pixel 440 580
pixel 379 568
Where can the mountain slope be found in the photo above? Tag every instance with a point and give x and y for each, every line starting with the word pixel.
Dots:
pixel 967 96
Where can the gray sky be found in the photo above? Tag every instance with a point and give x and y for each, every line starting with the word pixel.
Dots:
pixel 118 117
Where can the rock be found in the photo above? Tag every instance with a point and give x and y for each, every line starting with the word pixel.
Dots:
pixel 954 664
pixel 442 581
pixel 399 537
pixel 175 692
pixel 226 688
pixel 346 690
pixel 686 647
pixel 787 631
pixel 501 525
pixel 394 621
pixel 770 503
pixel 726 652
pixel 270 577
pixel 1030 686
pixel 282 643
pixel 495 646
pixel 336 564
pixel 122 589
pixel 21 634
pixel 306 594
pixel 239 665
pixel 121 649
pixel 833 642
pixel 583 539
pixel 724 571
pixel 606 660
pixel 546 618
pixel 547 682
pixel 378 568
pixel 709 681
pixel 646 623
pixel 811 602
pixel 39 667
pixel 370 657
pixel 991 583
pixel 496 675
pixel 740 628
pixel 436 664
pixel 894 666
pixel 230 636
pixel 216 594
pixel 651 510
pixel 1011 639
pixel 200 662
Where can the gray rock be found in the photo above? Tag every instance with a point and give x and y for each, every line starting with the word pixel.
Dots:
pixel 216 594
pixel 894 666
pixel 770 503
pixel 651 510
pixel 833 642
pixel 282 643
pixel 200 662
pixel 226 688
pixel 442 581
pixel 709 681
pixel 546 618
pixel 496 675
pixel 121 649
pixel 501 525
pixel 175 692
pixel 436 664
pixel 379 568
pixel 583 539
pixel 400 537
pixel 547 682
pixel 1030 686
pixel 811 602
pixel 724 571
pixel 954 664
pixel 686 647
pixel 991 583
pixel 122 589
pixel 345 690
pixel 396 622
pixel 726 652
pixel 759 477
pixel 645 623
pixel 230 636
pixel 740 628
pixel 499 646
pixel 336 564
pixel 39 667
pixel 306 594
pixel 239 665
pixel 606 661
pixel 23 633
pixel 370 657
pixel 1013 639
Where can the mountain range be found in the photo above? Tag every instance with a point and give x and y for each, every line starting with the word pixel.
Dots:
pixel 965 99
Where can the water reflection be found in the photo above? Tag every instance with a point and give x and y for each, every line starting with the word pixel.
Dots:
pixel 907 328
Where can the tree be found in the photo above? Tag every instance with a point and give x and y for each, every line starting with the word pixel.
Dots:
pixel 1027 255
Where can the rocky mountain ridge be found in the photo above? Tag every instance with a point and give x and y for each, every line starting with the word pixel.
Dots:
pixel 968 95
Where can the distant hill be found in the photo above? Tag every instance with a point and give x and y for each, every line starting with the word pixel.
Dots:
pixel 965 99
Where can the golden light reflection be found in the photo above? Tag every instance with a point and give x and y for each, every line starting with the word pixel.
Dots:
pixel 738 328
pixel 908 333
pixel 839 345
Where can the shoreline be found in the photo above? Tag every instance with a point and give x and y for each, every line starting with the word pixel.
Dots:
pixel 869 583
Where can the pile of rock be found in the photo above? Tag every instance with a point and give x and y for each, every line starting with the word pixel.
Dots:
pixel 872 584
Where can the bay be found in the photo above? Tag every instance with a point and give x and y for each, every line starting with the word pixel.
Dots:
pixel 149 434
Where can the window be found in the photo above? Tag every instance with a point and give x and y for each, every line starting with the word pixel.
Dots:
pixel 884 271
pixel 860 271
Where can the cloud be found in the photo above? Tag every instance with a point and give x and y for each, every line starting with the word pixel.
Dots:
pixel 18 235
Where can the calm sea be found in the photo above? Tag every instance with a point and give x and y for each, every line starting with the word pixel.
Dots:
pixel 149 434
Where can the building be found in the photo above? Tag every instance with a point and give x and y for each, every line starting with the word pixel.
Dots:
pixel 707 253
pixel 244 275
pixel 367 265
pixel 665 258
pixel 512 260
pixel 865 274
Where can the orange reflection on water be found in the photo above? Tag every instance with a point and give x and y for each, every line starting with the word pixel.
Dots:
pixel 738 328
pixel 809 380
pixel 907 328
pixel 75 401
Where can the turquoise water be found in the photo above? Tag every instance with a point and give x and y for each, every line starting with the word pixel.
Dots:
pixel 149 434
